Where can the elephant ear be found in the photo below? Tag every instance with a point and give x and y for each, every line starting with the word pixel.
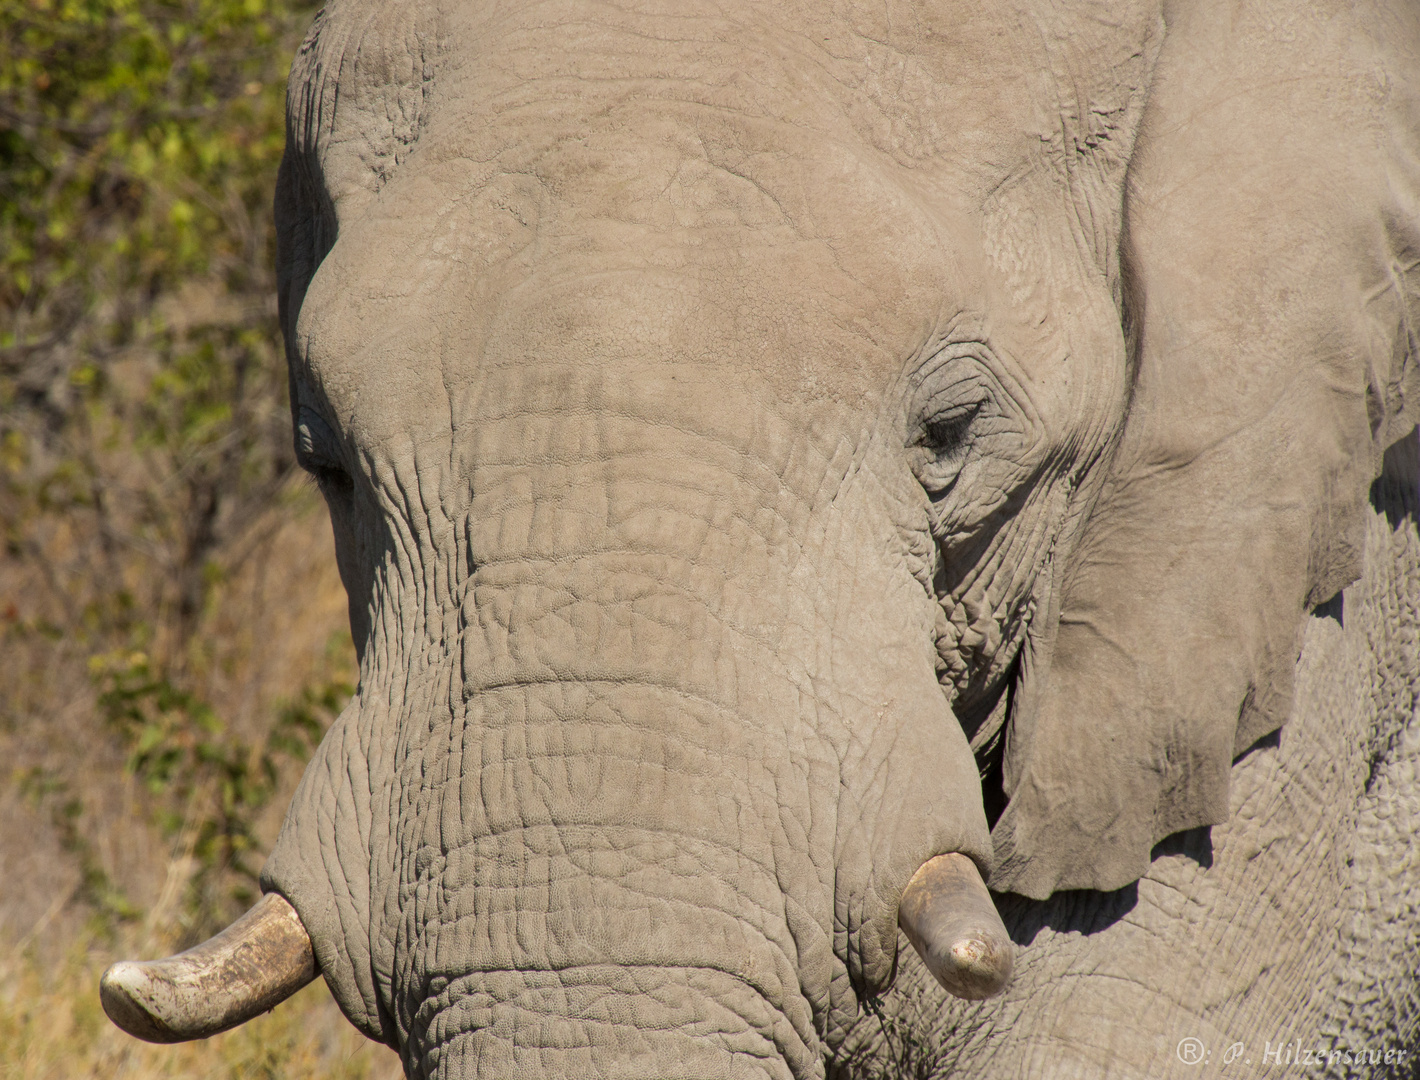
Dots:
pixel 1272 298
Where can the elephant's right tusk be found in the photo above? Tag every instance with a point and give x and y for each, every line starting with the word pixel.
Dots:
pixel 252 966
pixel 947 914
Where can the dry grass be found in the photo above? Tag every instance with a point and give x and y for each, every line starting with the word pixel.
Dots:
pixel 52 1028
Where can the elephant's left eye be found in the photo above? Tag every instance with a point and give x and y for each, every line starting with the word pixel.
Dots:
pixel 944 444
pixel 946 435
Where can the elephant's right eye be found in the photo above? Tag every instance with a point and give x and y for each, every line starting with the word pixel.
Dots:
pixel 318 452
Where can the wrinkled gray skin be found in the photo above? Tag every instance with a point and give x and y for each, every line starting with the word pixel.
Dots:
pixel 743 422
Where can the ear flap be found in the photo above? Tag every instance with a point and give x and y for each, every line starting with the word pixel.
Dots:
pixel 1273 289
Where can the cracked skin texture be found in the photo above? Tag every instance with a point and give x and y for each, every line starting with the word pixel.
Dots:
pixel 727 409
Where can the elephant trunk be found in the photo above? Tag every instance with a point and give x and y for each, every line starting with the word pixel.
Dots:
pixel 637 773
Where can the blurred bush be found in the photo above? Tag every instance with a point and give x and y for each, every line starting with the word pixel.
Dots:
pixel 170 621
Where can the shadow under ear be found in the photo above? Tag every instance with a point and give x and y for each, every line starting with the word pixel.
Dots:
pixel 1195 844
pixel 1088 911
pixel 1077 911
pixel 1396 492
pixel 1272 275
pixel 1271 741
pixel 1333 609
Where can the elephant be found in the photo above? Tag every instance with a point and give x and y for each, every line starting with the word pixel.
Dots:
pixel 796 465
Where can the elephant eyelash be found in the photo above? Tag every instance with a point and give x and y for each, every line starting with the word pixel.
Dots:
pixel 329 477
pixel 332 479
pixel 946 436
pixel 943 449
pixel 316 450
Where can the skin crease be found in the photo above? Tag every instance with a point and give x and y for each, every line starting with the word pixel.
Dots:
pixel 719 405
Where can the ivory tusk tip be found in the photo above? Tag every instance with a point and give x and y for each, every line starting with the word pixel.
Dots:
pixel 952 922
pixel 253 965
pixel 977 967
pixel 126 993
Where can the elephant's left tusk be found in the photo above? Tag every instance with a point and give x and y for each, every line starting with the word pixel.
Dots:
pixel 947 914
pixel 252 966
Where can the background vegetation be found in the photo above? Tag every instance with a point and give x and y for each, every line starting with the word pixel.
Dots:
pixel 171 625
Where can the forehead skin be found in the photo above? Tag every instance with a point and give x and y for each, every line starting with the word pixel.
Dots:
pixel 795 195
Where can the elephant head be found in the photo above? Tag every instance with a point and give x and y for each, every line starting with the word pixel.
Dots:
pixel 744 423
